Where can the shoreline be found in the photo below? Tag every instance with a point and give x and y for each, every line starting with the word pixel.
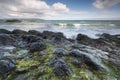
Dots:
pixel 34 54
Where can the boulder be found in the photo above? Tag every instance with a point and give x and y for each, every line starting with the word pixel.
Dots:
pixel 59 38
pixel 34 32
pixel 99 43
pixel 60 68
pixel 31 38
pixel 6 39
pixel 60 52
pixel 37 46
pixel 55 37
pixel 91 50
pixel 47 34
pixel 17 31
pixel 113 39
pixel 83 39
pixel 26 40
pixel 7 65
pixel 5 31
pixel 90 60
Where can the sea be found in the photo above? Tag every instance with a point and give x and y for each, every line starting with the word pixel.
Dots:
pixel 70 28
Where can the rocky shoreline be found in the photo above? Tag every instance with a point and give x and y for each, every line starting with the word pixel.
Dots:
pixel 50 55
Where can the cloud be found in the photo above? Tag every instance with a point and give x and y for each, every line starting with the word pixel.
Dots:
pixel 103 4
pixel 30 8
pixel 60 7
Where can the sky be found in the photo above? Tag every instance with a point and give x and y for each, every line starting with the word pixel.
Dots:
pixel 61 9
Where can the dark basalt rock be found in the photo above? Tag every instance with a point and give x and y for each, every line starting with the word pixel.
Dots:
pixel 6 39
pixel 83 39
pixel 47 34
pixel 7 65
pixel 59 38
pixel 5 31
pixel 60 68
pixel 34 32
pixel 37 46
pixel 105 42
pixel 20 32
pixel 90 60
pixel 31 38
pixel 26 40
pixel 60 52
pixel 113 39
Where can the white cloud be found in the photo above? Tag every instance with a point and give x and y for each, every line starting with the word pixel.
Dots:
pixel 60 7
pixel 103 4
pixel 30 8
pixel 40 9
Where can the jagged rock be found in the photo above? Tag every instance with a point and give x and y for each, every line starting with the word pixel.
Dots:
pixel 89 59
pixel 37 46
pixel 6 39
pixel 31 38
pixel 47 34
pixel 7 64
pixel 105 42
pixel 60 52
pixel 97 43
pixel 59 38
pixel 91 50
pixel 111 39
pixel 34 32
pixel 60 68
pixel 17 31
pixel 83 39
pixel 5 31
pixel 26 40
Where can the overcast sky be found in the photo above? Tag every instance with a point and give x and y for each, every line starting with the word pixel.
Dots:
pixel 61 9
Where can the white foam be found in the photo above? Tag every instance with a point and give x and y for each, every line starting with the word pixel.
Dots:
pixel 77 25
pixel 63 25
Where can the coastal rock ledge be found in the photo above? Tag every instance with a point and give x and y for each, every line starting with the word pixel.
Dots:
pixel 47 55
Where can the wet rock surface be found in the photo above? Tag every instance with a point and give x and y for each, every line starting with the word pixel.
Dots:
pixel 7 65
pixel 60 52
pixel 37 46
pixel 47 55
pixel 4 31
pixel 106 42
pixel 60 68
pixel 6 39
pixel 17 31
pixel 90 60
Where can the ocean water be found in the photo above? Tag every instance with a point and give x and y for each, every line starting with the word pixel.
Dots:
pixel 70 28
